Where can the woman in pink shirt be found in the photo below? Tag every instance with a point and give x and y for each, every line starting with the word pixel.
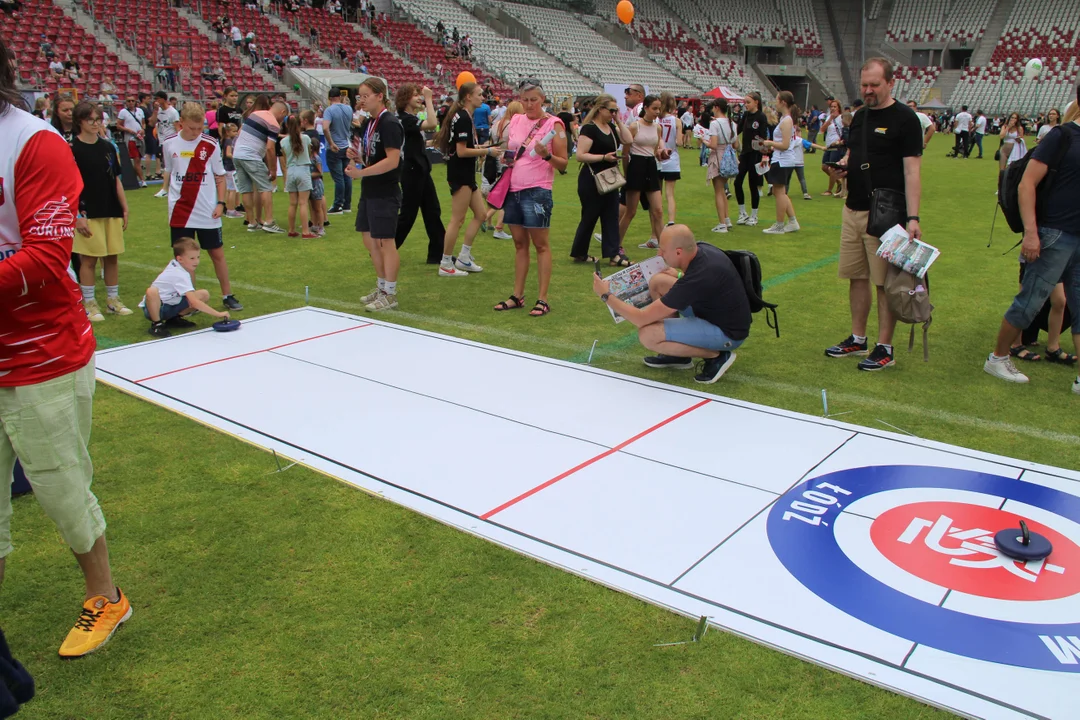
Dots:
pixel 536 149
pixel 211 119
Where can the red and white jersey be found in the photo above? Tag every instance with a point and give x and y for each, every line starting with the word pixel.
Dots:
pixel 192 166
pixel 44 331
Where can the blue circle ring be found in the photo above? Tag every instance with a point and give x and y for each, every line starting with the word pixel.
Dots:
pixel 811 554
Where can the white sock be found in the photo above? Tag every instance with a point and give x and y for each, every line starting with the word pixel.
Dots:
pixel 391 287
pixel 466 253
pixel 727 221
pixel 381 284
pixel 753 213
pixel 87 293
pixel 112 291
pixel 447 260
pixel 742 209
pixel 887 347
pixel 859 339
pixel 994 357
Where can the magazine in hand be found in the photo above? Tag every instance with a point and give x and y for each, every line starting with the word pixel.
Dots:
pixel 913 256
pixel 631 285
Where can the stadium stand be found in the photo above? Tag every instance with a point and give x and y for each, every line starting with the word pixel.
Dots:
pixel 270 37
pixel 500 55
pixel 722 24
pixel 144 24
pixel 912 82
pixel 939 21
pixel 23 31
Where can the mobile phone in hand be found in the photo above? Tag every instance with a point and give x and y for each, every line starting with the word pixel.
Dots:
pixel 596 268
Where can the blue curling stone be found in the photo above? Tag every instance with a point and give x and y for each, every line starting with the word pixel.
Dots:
pixel 1023 544
pixel 226 325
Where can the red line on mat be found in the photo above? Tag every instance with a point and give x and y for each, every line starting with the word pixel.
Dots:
pixel 590 461
pixel 253 352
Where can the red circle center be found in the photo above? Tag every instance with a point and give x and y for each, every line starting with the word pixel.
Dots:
pixel 951 544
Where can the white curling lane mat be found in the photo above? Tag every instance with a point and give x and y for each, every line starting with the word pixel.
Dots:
pixel 867 552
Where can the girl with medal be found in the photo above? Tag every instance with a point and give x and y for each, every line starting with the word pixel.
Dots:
pixel 377 168
pixel 457 140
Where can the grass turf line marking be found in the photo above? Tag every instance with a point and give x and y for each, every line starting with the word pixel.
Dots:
pixel 613 350
pixel 590 461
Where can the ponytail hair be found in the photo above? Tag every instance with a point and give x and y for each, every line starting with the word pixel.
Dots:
pixel 442 140
pixel 649 100
pixel 296 142
pixel 378 87
pixel 667 103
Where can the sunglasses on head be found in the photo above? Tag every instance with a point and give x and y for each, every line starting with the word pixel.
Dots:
pixel 529 84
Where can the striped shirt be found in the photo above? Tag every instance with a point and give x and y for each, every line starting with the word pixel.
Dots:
pixel 193 166
pixel 259 127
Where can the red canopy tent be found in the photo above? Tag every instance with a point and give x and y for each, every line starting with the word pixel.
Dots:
pixel 726 93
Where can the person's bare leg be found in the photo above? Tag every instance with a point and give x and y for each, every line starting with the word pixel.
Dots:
pixel 96 571
pixel 886 321
pixel 521 259
pixel 669 187
pixel 376 255
pixel 656 213
pixel 153 303
pixel 659 284
pixel 1007 337
pixel 543 261
pixel 266 201
pixel 859 300
pixel 1057 314
pixel 391 260
pixel 112 269
pixel 221 269
pixel 249 207
pixel 87 266
pixel 459 205
pixel 304 216
pixel 626 216
pixel 780 193
pixel 652 338
pixel 293 199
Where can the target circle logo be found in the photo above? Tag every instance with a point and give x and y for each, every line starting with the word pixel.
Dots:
pixel 910 550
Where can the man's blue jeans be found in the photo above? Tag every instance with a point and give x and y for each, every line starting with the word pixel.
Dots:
pixel 1058 262
pixel 337 161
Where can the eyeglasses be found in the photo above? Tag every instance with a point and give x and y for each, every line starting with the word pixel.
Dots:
pixel 94 121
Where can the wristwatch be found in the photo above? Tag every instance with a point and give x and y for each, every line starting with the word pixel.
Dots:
pixel 914 217
pixel 222 203
pixel 604 297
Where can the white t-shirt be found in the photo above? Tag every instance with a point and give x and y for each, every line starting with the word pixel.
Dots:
pixel 980 125
pixel 924 120
pixel 963 122
pixel 687 119
pixel 631 114
pixel 237 36
pixel 131 121
pixel 173 284
pixel 166 118
pixel 57 66
pixel 785 158
pixel 1044 130
pixel 669 136
pixel 724 131
pixel 833 131
pixel 192 166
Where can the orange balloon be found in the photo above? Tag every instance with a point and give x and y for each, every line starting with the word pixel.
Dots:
pixel 465 77
pixel 625 11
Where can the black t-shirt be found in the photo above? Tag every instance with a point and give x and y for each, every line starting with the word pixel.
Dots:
pixel 461 170
pixel 602 144
pixel 1058 208
pixel 440 113
pixel 714 290
pixel 386 133
pixel 230 116
pixel 99 166
pixel 567 118
pixel 895 134
pixel 414 156
pixel 752 125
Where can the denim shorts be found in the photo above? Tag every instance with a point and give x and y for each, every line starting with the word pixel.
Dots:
pixel 695 332
pixel 168 312
pixel 529 208
pixel 1058 262
pixel 316 188
pixel 299 180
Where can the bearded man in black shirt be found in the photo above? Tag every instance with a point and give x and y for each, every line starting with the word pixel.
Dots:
pixel 892 135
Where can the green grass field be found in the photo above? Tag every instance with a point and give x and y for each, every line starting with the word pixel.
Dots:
pixel 291 595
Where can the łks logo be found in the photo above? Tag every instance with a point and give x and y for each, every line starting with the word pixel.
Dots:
pixel 845 535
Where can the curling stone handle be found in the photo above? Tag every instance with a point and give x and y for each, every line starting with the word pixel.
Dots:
pixel 1025 533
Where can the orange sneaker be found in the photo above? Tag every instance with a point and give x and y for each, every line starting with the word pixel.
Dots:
pixel 96 624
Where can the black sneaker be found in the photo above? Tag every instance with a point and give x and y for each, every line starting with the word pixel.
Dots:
pixel 158 330
pixel 179 322
pixel 231 302
pixel 879 359
pixel 714 368
pixel 335 210
pixel 326 223
pixel 240 209
pixel 846 348
pixel 668 361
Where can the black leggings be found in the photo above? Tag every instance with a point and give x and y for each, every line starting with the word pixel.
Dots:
pixel 418 195
pixel 595 206
pixel 746 167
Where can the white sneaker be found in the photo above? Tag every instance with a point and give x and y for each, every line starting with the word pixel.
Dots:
pixel 502 235
pixel 371 296
pixel 1005 370
pixel 774 229
pixel 792 226
pixel 272 228
pixel 383 302
pixel 451 271
pixel 598 237
pixel 729 223
pixel 743 217
pixel 721 228
pixel 160 193
pixel 254 227
pixel 1076 386
pixel 142 183
pixel 806 196
pixel 93 312
pixel 470 267
pixel 650 244
pixel 751 221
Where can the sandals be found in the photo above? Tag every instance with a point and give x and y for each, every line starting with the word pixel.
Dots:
pixel 512 303
pixel 620 260
pixel 586 259
pixel 1060 356
pixel 540 309
pixel 826 194
pixel 1022 353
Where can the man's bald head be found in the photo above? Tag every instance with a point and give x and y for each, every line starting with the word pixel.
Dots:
pixel 279 109
pixel 678 237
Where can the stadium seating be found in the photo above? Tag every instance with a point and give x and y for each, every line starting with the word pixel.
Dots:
pixel 722 24
pixel 912 82
pixel 269 37
pixel 145 24
pixel 501 55
pixel 22 32
pixel 591 53
pixel 939 21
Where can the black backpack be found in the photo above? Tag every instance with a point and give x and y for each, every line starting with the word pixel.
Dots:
pixel 749 267
pixel 1009 183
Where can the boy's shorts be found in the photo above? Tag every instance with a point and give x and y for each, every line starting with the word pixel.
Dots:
pixel 47 426
pixel 230 181
pixel 378 216
pixel 317 190
pixel 299 181
pixel 167 312
pixel 106 238
pixel 209 238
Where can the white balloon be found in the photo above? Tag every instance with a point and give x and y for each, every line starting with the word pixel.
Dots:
pixel 1033 69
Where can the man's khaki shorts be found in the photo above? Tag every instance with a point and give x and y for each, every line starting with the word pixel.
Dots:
pixel 858 251
pixel 47 426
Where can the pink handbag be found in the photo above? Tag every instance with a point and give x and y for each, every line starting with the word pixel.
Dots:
pixel 496 197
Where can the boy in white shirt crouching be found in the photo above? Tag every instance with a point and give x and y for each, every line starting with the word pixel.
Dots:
pixel 173 294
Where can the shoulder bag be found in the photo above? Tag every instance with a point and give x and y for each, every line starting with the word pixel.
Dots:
pixel 497 196
pixel 610 180
pixel 888 207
